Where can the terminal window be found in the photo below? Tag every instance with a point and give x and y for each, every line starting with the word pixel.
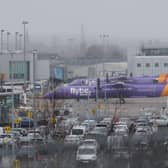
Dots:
pixel 165 64
pixel 17 68
pixel 138 65
pixel 147 65
pixel 156 64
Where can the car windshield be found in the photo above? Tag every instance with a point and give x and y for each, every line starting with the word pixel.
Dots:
pixel 77 131
pixel 86 151
pixel 89 142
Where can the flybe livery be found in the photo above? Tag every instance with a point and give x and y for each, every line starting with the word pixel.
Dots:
pixel 119 90
pixel 162 78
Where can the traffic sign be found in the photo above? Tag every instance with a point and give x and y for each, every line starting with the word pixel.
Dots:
pixel 94 111
pixel 99 106
pixel 29 114
pixel 52 120
pixel 16 164
pixel 16 120
pixel 7 129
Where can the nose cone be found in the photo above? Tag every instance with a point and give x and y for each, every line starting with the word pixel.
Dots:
pixel 54 94
pixel 48 95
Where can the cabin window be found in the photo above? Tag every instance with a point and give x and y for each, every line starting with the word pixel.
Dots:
pixel 165 64
pixel 156 64
pixel 147 65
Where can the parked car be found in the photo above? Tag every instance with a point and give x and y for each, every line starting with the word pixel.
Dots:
pixel 117 145
pixel 126 120
pixel 90 142
pixel 26 152
pixel 76 136
pixel 90 124
pixel 161 120
pixel 26 122
pixel 86 154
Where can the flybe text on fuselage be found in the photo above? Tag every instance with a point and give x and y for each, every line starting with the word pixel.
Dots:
pixel 80 91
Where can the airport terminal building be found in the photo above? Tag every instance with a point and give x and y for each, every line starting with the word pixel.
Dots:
pixel 152 60
pixel 45 66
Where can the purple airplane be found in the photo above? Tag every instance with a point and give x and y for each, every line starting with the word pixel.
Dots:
pixel 162 78
pixel 112 90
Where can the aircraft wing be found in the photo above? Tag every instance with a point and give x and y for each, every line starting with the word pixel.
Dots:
pixel 116 85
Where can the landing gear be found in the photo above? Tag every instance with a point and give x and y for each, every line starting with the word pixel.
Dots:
pixel 122 100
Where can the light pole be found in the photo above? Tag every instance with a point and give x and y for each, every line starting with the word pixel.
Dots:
pixel 7 41
pixel 2 31
pixel 12 78
pixel 53 62
pixel 103 37
pixel 34 78
pixel 24 47
pixel 20 41
pixel 16 40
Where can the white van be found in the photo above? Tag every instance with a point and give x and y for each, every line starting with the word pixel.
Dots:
pixel 76 136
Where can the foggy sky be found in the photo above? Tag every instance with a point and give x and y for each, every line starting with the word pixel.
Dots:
pixel 141 19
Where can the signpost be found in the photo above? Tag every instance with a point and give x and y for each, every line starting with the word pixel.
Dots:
pixel 7 129
pixel 94 111
pixel 29 114
pixel 17 121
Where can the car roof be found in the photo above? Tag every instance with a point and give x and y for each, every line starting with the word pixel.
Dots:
pixel 86 147
pixel 78 127
pixel 89 140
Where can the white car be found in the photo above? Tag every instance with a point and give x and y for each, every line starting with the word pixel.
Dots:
pixel 159 120
pixel 121 131
pixel 125 120
pixel 91 123
pixel 86 154
pixel 72 140
pixel 6 139
pixel 108 120
pixel 90 142
pixel 121 126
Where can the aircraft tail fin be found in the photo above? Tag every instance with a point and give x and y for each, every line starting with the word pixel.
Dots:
pixel 162 78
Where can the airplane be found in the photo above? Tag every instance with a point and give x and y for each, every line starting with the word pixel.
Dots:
pixel 162 78
pixel 119 90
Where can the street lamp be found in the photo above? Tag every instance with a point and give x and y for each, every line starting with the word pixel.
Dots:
pixel 2 31
pixel 103 37
pixel 20 41
pixel 34 78
pixel 52 63
pixel 7 41
pixel 25 75
pixel 16 40
pixel 12 86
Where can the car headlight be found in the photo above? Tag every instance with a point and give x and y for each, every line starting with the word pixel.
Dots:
pixel 93 157
pixel 77 158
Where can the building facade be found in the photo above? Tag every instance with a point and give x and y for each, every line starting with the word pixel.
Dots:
pixel 151 61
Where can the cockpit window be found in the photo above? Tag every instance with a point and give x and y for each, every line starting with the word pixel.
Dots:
pixel 155 81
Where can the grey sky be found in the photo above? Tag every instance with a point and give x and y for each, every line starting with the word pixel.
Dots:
pixel 119 18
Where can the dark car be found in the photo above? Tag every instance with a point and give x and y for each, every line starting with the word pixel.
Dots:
pixel 26 122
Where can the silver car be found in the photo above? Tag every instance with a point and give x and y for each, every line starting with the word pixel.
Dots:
pixel 86 154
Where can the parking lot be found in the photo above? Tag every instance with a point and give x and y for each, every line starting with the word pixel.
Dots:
pixel 54 151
